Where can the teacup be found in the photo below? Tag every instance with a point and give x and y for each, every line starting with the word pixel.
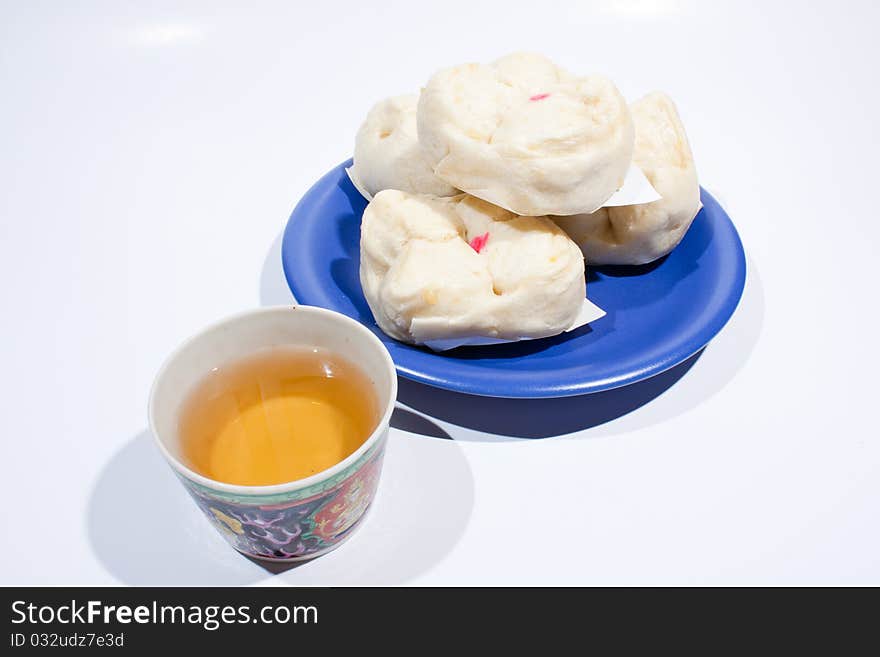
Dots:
pixel 300 519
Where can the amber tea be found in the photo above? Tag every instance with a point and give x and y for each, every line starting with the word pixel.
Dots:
pixel 276 416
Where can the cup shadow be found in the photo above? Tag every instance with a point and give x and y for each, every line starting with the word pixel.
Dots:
pixel 146 531
pixel 421 511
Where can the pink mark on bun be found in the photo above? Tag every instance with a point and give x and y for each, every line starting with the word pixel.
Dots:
pixel 539 97
pixel 479 242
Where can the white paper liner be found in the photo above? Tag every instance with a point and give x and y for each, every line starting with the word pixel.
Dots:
pixel 357 183
pixel 635 189
pixel 589 312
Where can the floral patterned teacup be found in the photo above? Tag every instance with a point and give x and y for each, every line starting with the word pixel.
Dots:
pixel 300 519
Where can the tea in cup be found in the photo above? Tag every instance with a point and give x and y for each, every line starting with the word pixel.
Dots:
pixel 275 421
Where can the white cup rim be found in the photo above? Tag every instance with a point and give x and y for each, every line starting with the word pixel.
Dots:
pixel 287 487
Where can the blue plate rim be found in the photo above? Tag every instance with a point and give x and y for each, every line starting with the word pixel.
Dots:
pixel 685 350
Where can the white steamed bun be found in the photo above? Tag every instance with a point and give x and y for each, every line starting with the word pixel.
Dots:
pixel 387 154
pixel 442 268
pixel 526 135
pixel 638 234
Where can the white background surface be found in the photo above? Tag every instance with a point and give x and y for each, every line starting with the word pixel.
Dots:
pixel 151 153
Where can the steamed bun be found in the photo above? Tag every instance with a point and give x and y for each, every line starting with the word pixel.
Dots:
pixel 387 154
pixel 437 268
pixel 526 135
pixel 638 234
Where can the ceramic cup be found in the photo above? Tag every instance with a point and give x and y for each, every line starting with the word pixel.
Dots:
pixel 300 519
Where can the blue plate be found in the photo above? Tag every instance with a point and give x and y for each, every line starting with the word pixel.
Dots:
pixel 658 314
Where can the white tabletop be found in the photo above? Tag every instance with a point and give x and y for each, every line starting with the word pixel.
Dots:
pixel 150 156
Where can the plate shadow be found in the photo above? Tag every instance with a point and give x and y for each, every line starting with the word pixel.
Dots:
pixel 406 420
pixel 537 418
pixel 273 288
pixel 610 412
pixel 726 354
